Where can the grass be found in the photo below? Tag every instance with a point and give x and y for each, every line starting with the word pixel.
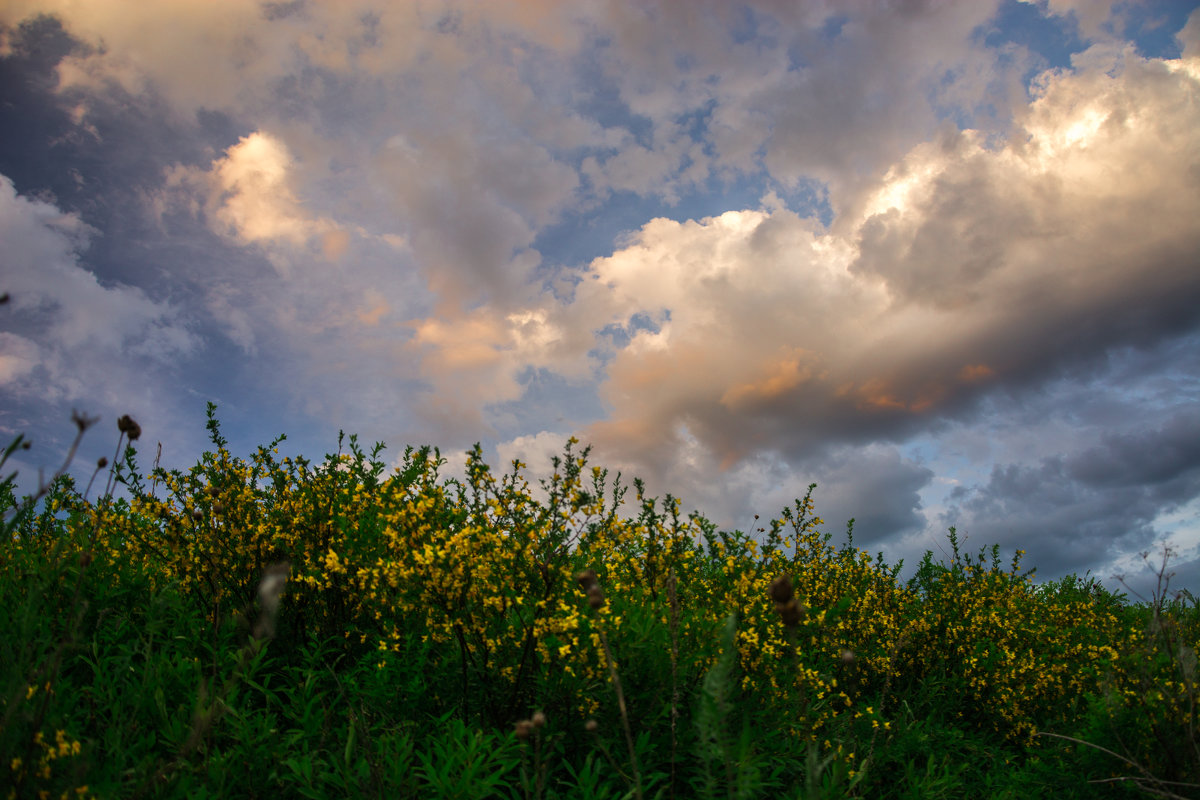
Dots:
pixel 260 626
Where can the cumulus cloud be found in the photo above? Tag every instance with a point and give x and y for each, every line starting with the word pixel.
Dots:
pixel 256 203
pixel 970 268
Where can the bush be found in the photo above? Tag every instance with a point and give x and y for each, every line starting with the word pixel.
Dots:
pixel 266 625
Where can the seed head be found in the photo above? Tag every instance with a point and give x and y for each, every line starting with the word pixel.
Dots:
pixel 781 589
pixel 83 421
pixel 101 463
pixel 591 726
pixel 590 583
pixel 847 657
pixel 539 719
pixel 587 578
pixel 127 426
pixel 791 612
pixel 786 606
pixel 523 729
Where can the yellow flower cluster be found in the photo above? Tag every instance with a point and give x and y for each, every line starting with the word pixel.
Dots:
pixel 41 771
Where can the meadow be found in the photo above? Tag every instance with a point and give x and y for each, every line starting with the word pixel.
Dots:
pixel 268 626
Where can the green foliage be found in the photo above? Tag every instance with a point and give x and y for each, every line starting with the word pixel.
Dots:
pixel 269 626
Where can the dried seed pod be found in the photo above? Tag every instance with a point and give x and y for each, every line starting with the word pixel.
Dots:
pixel 539 719
pixel 791 612
pixel 847 657
pixel 587 578
pixel 591 726
pixel 523 729
pixel 781 589
pixel 127 426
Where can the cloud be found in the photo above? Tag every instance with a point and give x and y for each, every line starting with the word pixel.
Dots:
pixel 971 268
pixel 1089 15
pixel 1092 506
pixel 468 121
pixel 70 340
pixel 536 451
pixel 64 326
pixel 256 202
pixel 18 357
pixel 1189 37
pixel 876 487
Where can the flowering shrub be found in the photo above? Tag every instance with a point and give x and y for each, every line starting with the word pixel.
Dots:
pixel 460 597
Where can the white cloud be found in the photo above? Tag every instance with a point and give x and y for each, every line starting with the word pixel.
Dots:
pixel 256 201
pixel 18 357
pixel 536 451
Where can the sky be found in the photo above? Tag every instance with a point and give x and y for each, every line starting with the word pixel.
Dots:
pixel 940 258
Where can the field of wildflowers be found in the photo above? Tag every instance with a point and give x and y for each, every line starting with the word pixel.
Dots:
pixel 274 627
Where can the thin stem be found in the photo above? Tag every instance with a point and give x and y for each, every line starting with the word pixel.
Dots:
pixel 616 681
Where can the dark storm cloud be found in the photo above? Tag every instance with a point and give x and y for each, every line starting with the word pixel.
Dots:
pixel 875 487
pixel 1162 460
pixel 1086 508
